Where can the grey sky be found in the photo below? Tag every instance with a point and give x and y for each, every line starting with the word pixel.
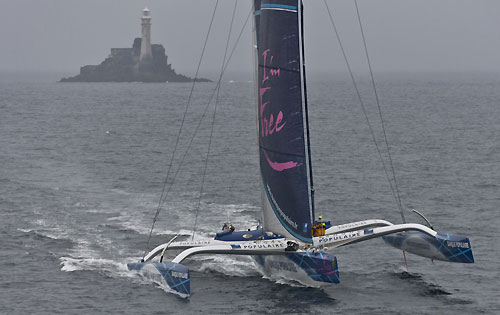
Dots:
pixel 62 35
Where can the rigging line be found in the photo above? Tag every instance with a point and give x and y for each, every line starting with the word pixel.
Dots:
pixel 380 113
pixel 162 196
pixel 213 120
pixel 209 101
pixel 206 108
pixel 361 101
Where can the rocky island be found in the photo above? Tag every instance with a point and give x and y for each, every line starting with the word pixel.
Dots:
pixel 143 62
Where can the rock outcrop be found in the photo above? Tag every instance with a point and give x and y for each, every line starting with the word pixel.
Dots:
pixel 123 65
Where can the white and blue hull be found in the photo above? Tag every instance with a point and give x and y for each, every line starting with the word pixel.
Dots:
pixel 443 246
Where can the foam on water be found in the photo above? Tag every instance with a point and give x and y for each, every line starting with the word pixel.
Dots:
pixel 242 266
pixel 207 227
pixel 70 264
pixel 165 287
pixel 289 282
pixel 113 269
pixel 54 232
pixel 86 254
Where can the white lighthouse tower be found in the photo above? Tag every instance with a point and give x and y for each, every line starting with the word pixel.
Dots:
pixel 146 54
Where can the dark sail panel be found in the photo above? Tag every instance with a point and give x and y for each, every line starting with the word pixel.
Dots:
pixel 283 139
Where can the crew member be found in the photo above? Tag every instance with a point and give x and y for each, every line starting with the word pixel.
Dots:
pixel 322 229
pixel 317 227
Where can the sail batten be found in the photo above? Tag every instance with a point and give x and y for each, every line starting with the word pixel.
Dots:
pixel 282 119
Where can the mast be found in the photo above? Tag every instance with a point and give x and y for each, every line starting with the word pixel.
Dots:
pixel 304 101
pixel 255 32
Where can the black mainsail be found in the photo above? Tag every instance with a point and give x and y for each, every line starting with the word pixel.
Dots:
pixel 283 134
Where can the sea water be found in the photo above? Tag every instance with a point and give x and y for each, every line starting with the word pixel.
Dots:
pixel 83 166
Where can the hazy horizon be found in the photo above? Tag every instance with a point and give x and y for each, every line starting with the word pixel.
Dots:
pixel 410 36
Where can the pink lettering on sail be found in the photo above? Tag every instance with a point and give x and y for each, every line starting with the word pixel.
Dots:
pixel 272 72
pixel 264 126
pixel 280 166
pixel 265 76
pixel 268 123
pixel 278 120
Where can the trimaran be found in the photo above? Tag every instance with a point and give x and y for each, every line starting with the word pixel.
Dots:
pixel 286 244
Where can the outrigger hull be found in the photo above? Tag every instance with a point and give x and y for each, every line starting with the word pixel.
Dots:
pixel 443 246
pixel 176 276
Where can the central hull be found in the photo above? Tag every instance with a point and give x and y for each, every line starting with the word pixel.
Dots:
pixel 310 269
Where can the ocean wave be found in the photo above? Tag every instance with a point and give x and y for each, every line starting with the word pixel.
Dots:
pixel 166 288
pixel 284 281
pixel 70 264
pixel 52 234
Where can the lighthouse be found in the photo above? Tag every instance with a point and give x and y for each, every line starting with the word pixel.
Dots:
pixel 146 54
